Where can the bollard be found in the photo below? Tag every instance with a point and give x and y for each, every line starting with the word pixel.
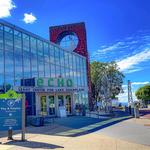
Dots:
pixel 10 133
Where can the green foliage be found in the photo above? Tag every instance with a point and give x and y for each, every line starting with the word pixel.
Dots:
pixel 10 94
pixel 143 93
pixel 106 80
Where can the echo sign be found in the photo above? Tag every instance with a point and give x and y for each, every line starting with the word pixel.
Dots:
pixel 53 82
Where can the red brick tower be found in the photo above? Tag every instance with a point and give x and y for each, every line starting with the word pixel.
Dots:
pixel 58 32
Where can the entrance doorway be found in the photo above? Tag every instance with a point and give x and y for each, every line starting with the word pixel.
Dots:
pixel 51 104
pixel 68 105
pixel 43 110
pixel 65 101
pixel 60 100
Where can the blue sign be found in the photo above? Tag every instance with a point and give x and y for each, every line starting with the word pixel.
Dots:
pixel 10 114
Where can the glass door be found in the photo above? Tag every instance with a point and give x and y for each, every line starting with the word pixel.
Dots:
pixel 43 105
pixel 68 104
pixel 51 102
pixel 60 100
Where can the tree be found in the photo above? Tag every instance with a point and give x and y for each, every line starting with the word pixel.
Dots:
pixel 106 81
pixel 143 93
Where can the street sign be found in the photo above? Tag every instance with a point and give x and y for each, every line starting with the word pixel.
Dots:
pixel 10 111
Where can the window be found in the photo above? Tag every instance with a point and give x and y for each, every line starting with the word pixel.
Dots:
pixel 62 58
pixel 26 56
pixel 34 59
pixel 69 41
pixel 9 57
pixel 40 58
pixel 52 70
pixel 70 60
pixel 58 72
pixel 57 56
pixel 1 36
pixel 46 60
pixel 8 39
pixel 52 54
pixel 1 57
pixel 18 57
pixel 66 59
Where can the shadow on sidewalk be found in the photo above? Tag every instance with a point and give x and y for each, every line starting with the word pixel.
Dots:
pixel 76 125
pixel 79 125
pixel 33 144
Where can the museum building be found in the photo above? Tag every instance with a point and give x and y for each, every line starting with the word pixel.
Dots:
pixel 53 73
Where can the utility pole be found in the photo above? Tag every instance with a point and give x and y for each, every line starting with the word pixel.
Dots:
pixel 130 99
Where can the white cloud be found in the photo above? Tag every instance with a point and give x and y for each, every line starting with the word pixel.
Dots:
pixel 112 47
pixel 104 49
pixel 133 70
pixel 124 85
pixel 140 83
pixel 5 7
pixel 29 18
pixel 129 62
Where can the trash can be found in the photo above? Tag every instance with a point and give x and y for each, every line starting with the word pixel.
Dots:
pixel 83 110
pixel 37 121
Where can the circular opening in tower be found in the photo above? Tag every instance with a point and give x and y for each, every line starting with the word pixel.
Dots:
pixel 68 40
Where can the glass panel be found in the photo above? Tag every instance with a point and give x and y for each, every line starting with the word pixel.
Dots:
pixel 68 104
pixel 9 57
pixel 43 105
pixel 60 100
pixel 1 68
pixel 47 70
pixel 66 59
pixel 63 72
pixel 1 57
pixel 26 56
pixel 46 59
pixel 70 60
pixel 9 69
pixel 51 105
pixel 8 39
pixel 1 36
pixel 40 58
pixel 62 58
pixel 58 72
pixel 34 62
pixel 46 53
pixel 84 65
pixel 71 73
pixel 67 72
pixel 52 54
pixel 52 71
pixel 57 57
pixel 18 57
pixel 74 62
pixel 69 42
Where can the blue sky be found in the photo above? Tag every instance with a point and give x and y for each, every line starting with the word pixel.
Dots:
pixel 116 29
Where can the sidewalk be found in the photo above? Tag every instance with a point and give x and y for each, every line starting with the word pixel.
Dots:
pixel 50 137
pixel 87 142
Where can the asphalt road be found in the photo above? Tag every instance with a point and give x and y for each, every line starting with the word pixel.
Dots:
pixel 129 130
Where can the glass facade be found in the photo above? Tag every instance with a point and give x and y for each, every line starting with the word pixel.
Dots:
pixel 25 55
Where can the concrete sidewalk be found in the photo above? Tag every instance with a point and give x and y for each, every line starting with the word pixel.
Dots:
pixel 87 142
pixel 50 137
pixel 132 130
